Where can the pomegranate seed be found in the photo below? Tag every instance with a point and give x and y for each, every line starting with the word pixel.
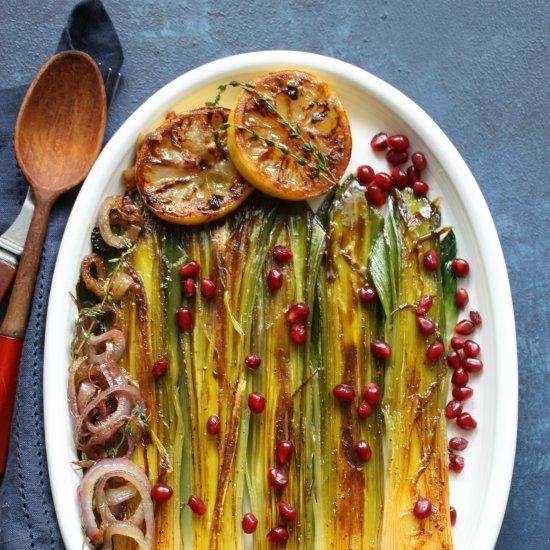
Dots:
pixel 372 393
pixel 283 452
pixel 188 287
pixel 297 313
pixel 298 333
pixel 159 367
pixel 413 174
pixel 454 360
pixel 197 505
pixel 399 176
pixel 343 392
pixel 435 351
pixel 185 318
pixel 277 478
pixel 465 327
pixel 463 393
pixel 380 349
pixel 452 510
pixel 471 348
pixel 422 508
pixel 281 254
pixel 460 378
pixel 472 364
pixel 419 161
pixel 287 511
pixel 278 534
pixel 375 195
pixel 365 174
pixel 379 142
pixel 384 180
pixel 461 298
pixel 424 304
pixel 398 142
pixel 420 188
pixel 161 492
pixel 431 260
pixel 457 343
pixel 453 409
pixel 256 402
pixel 364 409
pixel 363 450
pixel 475 317
pixel 458 443
pixel 456 463
pixel 274 279
pixel 213 424
pixel 208 289
pixel 466 421
pixel 397 157
pixel 460 267
pixel 425 324
pixel 252 361
pixel 366 294
pixel 190 269
pixel 249 523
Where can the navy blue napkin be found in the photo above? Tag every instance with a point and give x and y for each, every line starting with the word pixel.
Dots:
pixel 27 516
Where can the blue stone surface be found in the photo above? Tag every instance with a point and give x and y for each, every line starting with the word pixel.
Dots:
pixel 480 69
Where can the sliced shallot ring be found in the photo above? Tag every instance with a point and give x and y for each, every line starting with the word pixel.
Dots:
pixel 120 282
pixel 130 472
pixel 128 530
pixel 71 390
pixel 130 218
pixel 114 341
pixel 121 388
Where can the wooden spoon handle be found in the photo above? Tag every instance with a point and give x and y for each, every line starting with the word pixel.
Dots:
pixel 15 321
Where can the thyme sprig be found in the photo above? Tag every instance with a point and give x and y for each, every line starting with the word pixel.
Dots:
pixel 321 165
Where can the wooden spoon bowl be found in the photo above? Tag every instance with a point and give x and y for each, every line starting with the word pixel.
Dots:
pixel 58 135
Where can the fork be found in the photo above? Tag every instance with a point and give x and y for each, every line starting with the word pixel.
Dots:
pixel 12 241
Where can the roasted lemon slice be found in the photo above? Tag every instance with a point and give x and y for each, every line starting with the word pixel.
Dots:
pixel 289 135
pixel 183 170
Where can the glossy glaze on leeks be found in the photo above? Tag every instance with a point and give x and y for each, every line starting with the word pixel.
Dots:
pixel 415 388
pixel 348 492
pixel 284 379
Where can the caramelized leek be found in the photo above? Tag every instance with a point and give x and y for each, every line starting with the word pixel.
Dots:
pixel 348 492
pixel 283 379
pixel 415 388
pixel 212 380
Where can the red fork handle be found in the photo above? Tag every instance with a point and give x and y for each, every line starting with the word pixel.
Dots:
pixel 10 355
pixel 7 273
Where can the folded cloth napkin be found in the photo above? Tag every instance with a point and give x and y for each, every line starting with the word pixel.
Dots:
pixel 27 516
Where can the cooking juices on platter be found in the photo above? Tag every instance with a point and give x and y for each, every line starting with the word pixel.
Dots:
pixel 263 354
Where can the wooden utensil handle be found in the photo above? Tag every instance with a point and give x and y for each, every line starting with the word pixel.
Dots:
pixel 15 320
pixel 10 355
pixel 7 273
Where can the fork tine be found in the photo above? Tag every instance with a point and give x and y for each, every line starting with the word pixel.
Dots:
pixel 107 77
pixel 106 81
pixel 113 89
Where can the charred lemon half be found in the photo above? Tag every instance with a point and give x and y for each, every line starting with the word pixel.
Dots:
pixel 183 170
pixel 289 135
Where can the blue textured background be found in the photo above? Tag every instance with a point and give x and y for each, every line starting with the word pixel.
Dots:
pixel 480 69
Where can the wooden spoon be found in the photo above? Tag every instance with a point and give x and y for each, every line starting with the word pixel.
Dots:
pixel 58 135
